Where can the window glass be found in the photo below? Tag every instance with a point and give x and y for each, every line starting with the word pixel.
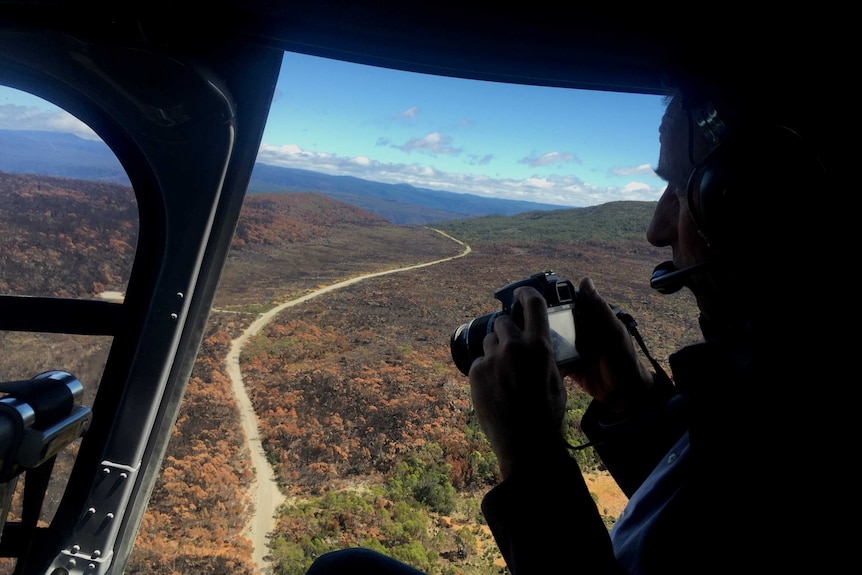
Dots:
pixel 324 409
pixel 69 226
pixel 68 215
pixel 384 210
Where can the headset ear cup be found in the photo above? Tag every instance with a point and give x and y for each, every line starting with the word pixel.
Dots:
pixel 710 191
pixel 732 195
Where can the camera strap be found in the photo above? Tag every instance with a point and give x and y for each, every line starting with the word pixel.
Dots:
pixel 632 326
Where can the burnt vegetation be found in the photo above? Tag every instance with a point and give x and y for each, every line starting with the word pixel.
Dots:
pixel 362 413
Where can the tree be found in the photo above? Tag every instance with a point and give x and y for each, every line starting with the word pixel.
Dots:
pixel 424 477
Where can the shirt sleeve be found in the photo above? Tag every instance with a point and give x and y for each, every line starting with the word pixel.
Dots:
pixel 546 521
pixel 632 446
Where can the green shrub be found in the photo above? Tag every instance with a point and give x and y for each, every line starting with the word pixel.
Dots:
pixel 424 477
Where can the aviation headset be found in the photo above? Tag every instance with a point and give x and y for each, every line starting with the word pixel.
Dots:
pixel 728 190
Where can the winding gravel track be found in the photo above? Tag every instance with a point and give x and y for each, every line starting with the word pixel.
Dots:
pixel 265 491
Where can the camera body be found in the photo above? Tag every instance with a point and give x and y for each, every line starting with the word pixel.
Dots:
pixel 466 342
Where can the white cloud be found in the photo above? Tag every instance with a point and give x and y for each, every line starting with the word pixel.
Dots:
pixel 635 187
pixel 410 112
pixel 15 117
pixel 538 183
pixel 643 169
pixel 553 189
pixel 434 143
pixel 548 159
pixel 485 160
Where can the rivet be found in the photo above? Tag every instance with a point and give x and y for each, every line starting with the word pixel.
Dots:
pixel 174 316
pixel 96 554
pixel 180 294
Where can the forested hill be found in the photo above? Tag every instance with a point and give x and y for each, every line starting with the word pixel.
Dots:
pixel 73 238
pixel 283 219
pixel 65 237
pixel 613 221
pixel 76 238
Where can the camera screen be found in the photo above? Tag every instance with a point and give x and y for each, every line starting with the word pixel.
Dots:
pixel 562 322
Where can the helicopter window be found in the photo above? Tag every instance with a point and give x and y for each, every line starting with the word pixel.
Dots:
pixel 68 222
pixel 358 403
pixel 68 214
pixel 371 188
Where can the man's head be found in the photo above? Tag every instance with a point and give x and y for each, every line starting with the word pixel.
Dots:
pixel 737 179
pixel 673 224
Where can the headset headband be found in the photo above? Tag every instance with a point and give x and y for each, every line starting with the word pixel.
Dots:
pixel 710 123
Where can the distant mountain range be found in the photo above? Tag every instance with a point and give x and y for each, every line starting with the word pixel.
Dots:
pixel 59 154
pixel 66 155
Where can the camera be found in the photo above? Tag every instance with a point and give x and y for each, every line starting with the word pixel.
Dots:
pixel 466 341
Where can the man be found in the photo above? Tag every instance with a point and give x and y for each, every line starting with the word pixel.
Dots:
pixel 711 463
pixel 712 460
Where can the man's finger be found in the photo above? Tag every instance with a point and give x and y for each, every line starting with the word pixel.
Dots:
pixel 535 310
pixel 504 327
pixel 490 342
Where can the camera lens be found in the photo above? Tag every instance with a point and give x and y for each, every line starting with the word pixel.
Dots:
pixel 466 342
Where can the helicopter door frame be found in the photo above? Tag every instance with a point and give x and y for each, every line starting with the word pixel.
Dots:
pixel 186 125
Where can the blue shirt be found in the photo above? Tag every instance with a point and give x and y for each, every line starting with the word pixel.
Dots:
pixel 646 506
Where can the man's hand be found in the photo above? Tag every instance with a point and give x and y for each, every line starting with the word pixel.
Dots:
pixel 517 389
pixel 609 369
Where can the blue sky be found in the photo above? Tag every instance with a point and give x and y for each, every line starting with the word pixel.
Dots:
pixel 550 145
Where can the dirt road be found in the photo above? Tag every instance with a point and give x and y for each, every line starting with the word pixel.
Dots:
pixel 266 494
